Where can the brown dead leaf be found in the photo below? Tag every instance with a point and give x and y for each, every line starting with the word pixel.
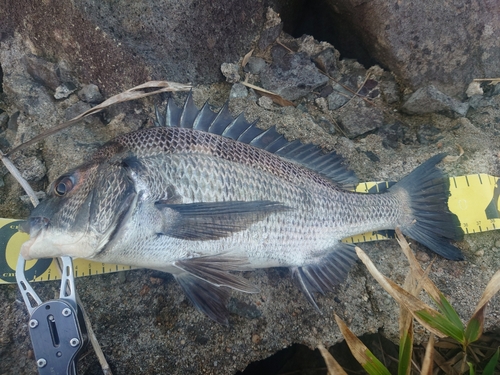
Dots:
pixel 244 62
pixel 358 349
pixel 491 289
pixel 492 80
pixel 137 92
pixel 419 274
pixel 331 364
pixel 428 358
pixel 275 97
pixel 410 302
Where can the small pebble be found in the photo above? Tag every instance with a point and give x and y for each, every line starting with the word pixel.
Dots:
pixel 479 253
pixel 423 257
pixel 497 243
pixel 265 102
pixel 39 194
pixel 90 94
pixel 256 338
pixel 231 72
pixel 238 91
pixel 64 90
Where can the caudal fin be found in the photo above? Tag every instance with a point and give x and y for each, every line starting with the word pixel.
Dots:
pixel 432 224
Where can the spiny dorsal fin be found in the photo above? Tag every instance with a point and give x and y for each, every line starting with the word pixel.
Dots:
pixel 238 128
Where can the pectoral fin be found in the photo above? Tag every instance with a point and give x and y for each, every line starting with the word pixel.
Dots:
pixel 215 270
pixel 213 220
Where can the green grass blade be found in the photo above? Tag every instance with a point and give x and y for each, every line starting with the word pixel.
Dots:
pixel 473 331
pixel 472 371
pixel 450 313
pixel 405 350
pixel 373 366
pixel 492 363
pixel 442 324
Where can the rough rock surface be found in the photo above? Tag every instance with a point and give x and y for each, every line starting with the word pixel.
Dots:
pixel 442 43
pixel 141 318
pixel 428 99
pixel 122 44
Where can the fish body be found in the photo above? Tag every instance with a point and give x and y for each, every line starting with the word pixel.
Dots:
pixel 204 194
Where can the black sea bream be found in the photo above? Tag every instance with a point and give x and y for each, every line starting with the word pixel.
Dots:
pixel 203 194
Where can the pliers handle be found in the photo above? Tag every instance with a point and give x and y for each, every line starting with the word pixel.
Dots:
pixel 55 326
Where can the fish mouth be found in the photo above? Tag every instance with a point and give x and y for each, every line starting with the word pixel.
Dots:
pixel 34 226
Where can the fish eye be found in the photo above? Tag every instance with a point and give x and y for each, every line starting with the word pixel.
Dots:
pixel 65 185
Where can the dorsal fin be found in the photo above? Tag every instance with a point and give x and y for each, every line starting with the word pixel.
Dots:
pixel 238 128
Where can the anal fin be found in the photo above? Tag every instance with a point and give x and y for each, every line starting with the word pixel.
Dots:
pixel 330 270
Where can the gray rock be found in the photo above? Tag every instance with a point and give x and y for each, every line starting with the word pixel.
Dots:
pixel 479 101
pixel 238 91
pixel 33 169
pixel 390 91
pixel 338 97
pixel 231 72
pixel 4 120
pixel 327 60
pixel 446 44
pixel 291 76
pixel 271 31
pixel 357 118
pixel 428 134
pixel 64 90
pixel 76 109
pixel 90 94
pixel 120 45
pixel 429 99
pixel 265 102
pixel 255 65
pixel 394 135
pixel 27 201
pixel 269 36
pixel 42 71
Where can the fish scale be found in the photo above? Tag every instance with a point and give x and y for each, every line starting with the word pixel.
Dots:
pixel 190 198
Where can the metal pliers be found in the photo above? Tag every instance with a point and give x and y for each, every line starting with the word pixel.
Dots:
pixel 56 327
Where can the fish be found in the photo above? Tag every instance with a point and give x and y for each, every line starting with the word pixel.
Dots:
pixel 204 195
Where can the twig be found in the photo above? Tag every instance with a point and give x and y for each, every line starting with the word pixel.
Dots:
pixel 17 175
pixel 131 94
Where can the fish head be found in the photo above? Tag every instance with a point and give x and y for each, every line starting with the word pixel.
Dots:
pixel 83 210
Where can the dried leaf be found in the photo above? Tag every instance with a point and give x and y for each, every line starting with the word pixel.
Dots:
pixel 246 58
pixel 476 322
pixel 492 80
pixel 331 364
pixel 418 272
pixel 136 92
pixel 275 97
pixel 362 354
pixel 18 176
pixel 428 358
pixel 401 296
pixel 443 364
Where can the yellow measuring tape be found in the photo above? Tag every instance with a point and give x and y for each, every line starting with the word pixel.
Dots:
pixel 473 198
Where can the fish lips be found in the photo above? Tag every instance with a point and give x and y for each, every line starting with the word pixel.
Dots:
pixel 34 226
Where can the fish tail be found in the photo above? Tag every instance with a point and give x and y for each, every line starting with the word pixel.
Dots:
pixel 425 193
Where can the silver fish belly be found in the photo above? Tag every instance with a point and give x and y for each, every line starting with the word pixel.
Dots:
pixel 203 194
